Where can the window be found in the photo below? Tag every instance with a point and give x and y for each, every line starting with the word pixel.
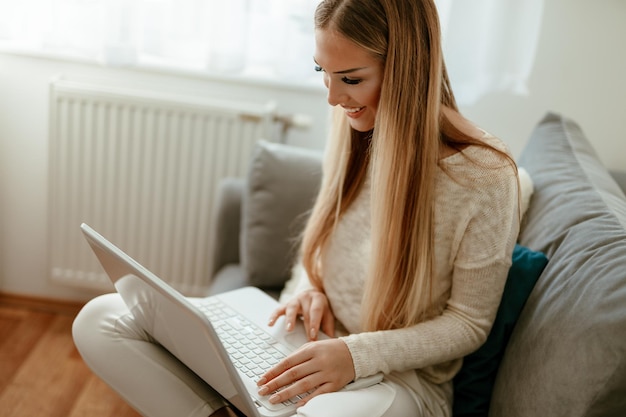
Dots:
pixel 489 44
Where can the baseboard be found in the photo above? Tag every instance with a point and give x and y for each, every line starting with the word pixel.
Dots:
pixel 47 305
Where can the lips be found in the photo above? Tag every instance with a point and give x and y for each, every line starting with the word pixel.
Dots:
pixel 353 111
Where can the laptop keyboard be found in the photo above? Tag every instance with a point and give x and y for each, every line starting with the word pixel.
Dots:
pixel 252 350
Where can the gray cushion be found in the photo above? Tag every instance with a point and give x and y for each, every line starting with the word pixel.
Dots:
pixel 567 354
pixel 283 182
pixel 226 225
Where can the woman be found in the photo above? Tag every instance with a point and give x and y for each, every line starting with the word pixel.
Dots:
pixel 408 245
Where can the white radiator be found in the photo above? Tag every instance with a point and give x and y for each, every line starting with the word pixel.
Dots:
pixel 142 169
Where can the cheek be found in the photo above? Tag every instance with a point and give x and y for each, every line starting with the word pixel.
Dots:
pixel 372 95
pixel 373 99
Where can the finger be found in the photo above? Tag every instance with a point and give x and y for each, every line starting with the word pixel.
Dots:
pixel 293 309
pixel 322 389
pixel 301 384
pixel 317 311
pixel 279 375
pixel 280 311
pixel 299 390
pixel 328 324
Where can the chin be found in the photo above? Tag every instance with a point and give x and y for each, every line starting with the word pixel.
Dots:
pixel 360 126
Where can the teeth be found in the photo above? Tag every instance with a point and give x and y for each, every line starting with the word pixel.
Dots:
pixel 354 110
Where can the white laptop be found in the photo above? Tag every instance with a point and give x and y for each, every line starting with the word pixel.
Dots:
pixel 224 338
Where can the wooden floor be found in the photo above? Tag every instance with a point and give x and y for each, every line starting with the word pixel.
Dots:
pixel 41 372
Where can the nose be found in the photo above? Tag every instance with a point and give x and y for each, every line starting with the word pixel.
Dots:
pixel 336 93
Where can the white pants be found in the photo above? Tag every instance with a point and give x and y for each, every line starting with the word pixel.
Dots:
pixel 156 384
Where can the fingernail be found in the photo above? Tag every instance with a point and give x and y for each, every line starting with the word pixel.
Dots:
pixel 274 399
pixel 264 391
pixel 313 333
pixel 261 381
pixel 289 326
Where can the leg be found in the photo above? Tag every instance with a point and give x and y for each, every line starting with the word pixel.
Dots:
pixel 386 399
pixel 148 377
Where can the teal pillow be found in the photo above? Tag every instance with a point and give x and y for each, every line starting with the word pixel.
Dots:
pixel 474 382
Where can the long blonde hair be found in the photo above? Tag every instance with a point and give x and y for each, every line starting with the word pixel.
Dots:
pixel 403 152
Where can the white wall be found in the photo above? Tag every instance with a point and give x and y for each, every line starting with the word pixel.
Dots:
pixel 579 72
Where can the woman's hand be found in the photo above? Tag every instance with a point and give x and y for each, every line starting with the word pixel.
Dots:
pixel 317 367
pixel 315 310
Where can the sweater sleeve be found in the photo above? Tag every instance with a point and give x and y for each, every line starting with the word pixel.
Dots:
pixel 482 257
pixel 460 329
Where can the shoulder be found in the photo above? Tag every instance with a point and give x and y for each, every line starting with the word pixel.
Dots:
pixel 486 148
pixel 462 124
pixel 480 179
pixel 488 159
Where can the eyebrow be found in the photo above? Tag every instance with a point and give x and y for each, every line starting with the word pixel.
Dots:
pixel 346 71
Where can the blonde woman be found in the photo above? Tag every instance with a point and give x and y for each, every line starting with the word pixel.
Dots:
pixel 410 240
pixel 406 252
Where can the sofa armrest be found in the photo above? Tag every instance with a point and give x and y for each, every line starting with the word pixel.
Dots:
pixel 226 224
pixel 620 178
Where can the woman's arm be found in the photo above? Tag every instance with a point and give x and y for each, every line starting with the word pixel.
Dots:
pixel 478 226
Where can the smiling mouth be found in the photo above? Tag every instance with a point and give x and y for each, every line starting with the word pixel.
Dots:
pixel 353 112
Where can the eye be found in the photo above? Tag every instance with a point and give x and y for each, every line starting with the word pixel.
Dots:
pixel 351 81
pixel 318 68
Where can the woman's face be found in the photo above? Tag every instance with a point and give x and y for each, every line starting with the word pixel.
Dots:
pixel 352 75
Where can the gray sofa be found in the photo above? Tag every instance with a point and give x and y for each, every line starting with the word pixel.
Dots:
pixel 566 355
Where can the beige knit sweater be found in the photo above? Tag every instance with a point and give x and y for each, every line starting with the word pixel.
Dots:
pixel 476 226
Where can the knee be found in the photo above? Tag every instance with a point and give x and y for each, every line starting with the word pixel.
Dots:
pixel 89 328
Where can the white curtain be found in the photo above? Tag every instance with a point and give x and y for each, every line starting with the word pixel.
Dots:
pixel 489 44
